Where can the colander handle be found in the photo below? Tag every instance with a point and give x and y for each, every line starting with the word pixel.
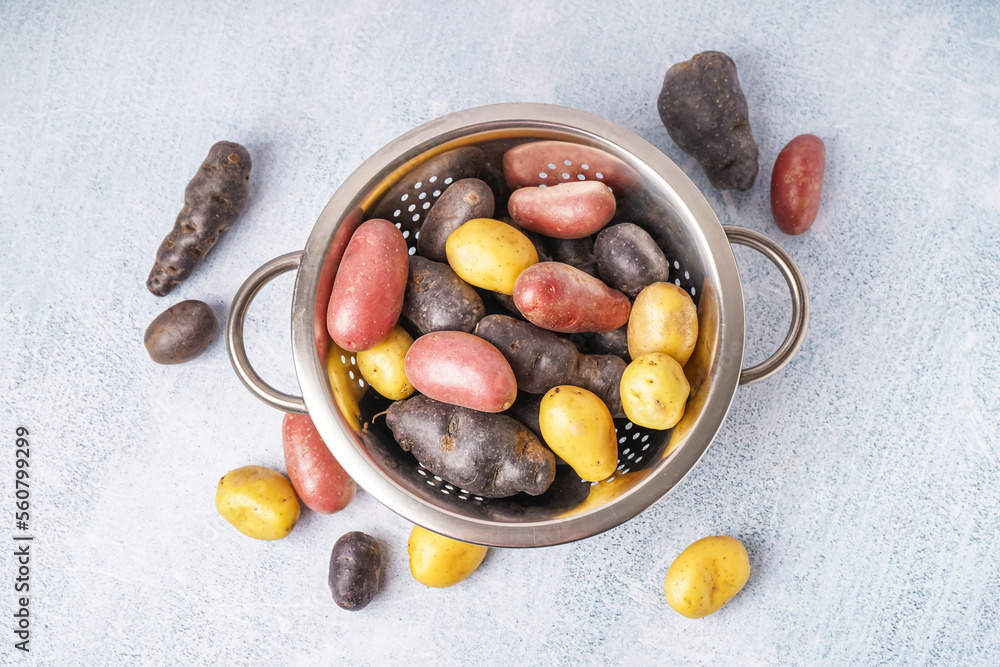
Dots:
pixel 800 301
pixel 234 334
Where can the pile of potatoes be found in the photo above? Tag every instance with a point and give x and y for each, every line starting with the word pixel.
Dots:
pixel 544 267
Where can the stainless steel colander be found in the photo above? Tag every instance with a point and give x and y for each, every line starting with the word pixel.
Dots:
pixel 650 462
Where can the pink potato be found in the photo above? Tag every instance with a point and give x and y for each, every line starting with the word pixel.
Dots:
pixel 567 211
pixel 797 183
pixel 461 369
pixel 551 162
pixel 318 479
pixel 368 291
pixel 561 298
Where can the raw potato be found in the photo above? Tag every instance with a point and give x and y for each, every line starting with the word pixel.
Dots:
pixel 797 183
pixel 542 360
pixel 707 575
pixel 654 391
pixel 577 426
pixel 315 474
pixel 490 455
pixel 664 319
pixel 462 201
pixel 609 342
pixel 489 254
pixel 557 297
pixel 348 388
pixel 578 253
pixel 438 561
pixel 181 332
pixel 356 570
pixel 438 300
pixel 368 291
pixel 258 501
pixel 382 366
pixel 551 162
pixel 213 201
pixel 629 259
pixel 705 113
pixel 567 211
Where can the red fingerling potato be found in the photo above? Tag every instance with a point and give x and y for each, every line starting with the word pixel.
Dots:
pixel 558 297
pixel 318 479
pixel 567 211
pixel 797 183
pixel 368 291
pixel 551 162
pixel 461 369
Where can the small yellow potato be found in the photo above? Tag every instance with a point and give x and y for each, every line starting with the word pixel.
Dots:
pixel 663 319
pixel 577 426
pixel 258 501
pixel 438 561
pixel 382 365
pixel 347 386
pixel 706 576
pixel 654 391
pixel 490 254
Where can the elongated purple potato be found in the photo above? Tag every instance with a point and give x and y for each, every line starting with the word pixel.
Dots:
pixel 629 259
pixel 462 201
pixel 438 300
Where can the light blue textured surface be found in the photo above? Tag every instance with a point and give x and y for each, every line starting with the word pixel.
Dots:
pixel 864 479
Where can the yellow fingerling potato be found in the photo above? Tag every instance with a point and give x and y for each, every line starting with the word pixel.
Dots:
pixel 438 561
pixel 654 391
pixel 258 501
pixel 706 576
pixel 382 365
pixel 577 426
pixel 663 319
pixel 489 254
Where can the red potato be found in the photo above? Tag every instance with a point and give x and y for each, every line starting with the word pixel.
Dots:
pixel 461 369
pixel 368 291
pixel 797 183
pixel 558 297
pixel 551 162
pixel 318 479
pixel 567 211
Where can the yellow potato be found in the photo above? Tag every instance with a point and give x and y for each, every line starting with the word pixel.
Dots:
pixel 258 501
pixel 345 382
pixel 382 365
pixel 489 254
pixel 706 576
pixel 663 319
pixel 577 426
pixel 654 391
pixel 438 561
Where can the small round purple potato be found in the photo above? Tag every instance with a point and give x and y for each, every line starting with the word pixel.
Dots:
pixel 181 332
pixel 355 570
pixel 628 258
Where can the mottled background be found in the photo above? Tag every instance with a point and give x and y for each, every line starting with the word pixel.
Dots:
pixel 864 479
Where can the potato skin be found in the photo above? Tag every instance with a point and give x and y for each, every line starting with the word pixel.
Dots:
pixel 490 455
pixel 437 561
pixel 181 332
pixel 654 391
pixel 489 254
pixel 664 319
pixel 577 426
pixel 557 297
pixel 578 253
pixel 461 369
pixel 317 478
pixel 368 291
pixel 566 211
pixel 258 502
pixel 609 342
pixel 542 360
pixel 705 113
pixel 213 202
pixel 382 366
pixel 438 300
pixel 462 201
pixel 356 570
pixel 628 258
pixel 528 165
pixel 797 183
pixel 706 575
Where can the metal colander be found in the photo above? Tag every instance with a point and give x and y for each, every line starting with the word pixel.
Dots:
pixel 400 183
